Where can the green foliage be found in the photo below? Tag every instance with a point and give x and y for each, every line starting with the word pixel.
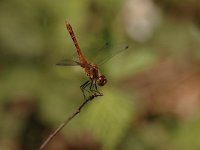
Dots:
pixel 33 38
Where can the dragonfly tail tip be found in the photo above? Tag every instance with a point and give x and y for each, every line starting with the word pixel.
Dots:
pixel 67 23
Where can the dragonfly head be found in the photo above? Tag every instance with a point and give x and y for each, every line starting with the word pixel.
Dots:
pixel 101 81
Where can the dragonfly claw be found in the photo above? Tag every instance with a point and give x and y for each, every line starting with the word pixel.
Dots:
pixel 97 94
pixel 93 95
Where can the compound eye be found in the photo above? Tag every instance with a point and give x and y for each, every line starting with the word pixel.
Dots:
pixel 102 80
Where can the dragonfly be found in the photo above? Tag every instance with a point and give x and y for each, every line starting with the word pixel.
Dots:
pixel 95 77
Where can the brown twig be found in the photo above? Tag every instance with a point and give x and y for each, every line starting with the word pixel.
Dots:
pixel 62 125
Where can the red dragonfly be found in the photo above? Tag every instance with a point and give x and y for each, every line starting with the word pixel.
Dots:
pixel 91 69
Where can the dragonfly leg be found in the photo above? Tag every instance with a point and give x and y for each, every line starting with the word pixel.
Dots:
pixel 83 86
pixel 93 87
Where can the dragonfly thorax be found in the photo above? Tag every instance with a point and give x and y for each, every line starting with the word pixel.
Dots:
pixel 94 74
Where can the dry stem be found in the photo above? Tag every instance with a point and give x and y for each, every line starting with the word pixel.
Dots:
pixel 62 125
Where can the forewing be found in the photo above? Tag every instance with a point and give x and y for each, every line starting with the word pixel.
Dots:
pixel 107 51
pixel 65 62
pixel 71 63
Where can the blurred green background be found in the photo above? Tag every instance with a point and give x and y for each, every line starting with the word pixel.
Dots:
pixel 151 100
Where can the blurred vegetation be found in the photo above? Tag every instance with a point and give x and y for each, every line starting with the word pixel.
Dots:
pixel 151 100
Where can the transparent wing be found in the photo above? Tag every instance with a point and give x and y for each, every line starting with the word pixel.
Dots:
pixel 106 52
pixel 66 62
pixel 117 50
pixel 98 56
